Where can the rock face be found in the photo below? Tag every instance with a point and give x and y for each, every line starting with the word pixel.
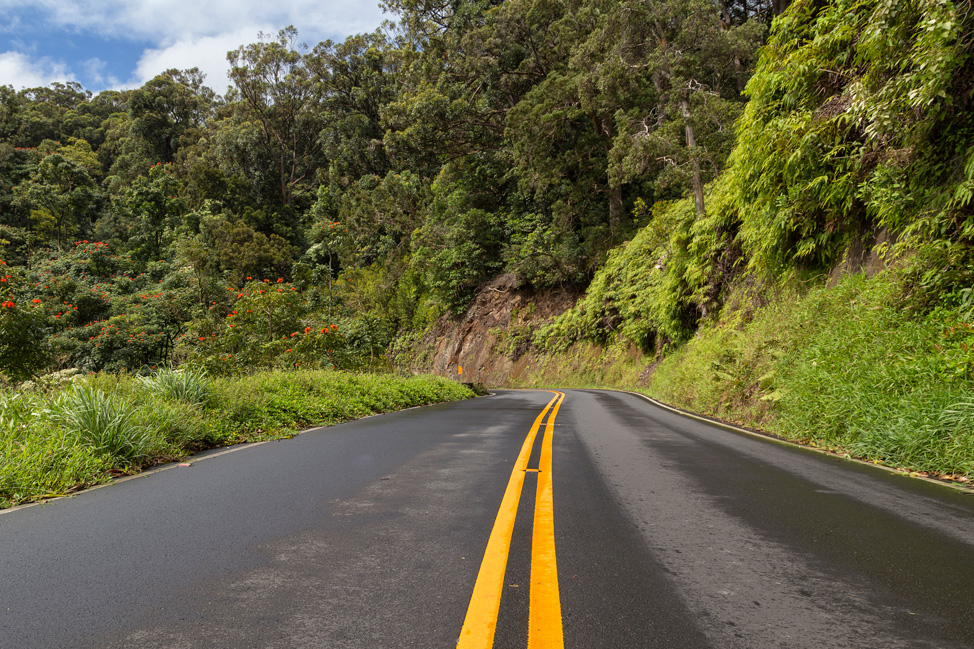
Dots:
pixel 490 340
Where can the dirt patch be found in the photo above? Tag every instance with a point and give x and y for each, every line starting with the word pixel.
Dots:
pixel 863 256
pixel 491 341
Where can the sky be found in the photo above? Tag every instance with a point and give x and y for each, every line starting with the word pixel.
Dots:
pixel 120 44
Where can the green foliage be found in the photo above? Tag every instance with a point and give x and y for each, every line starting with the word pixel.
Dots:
pixel 34 462
pixel 269 325
pixel 641 292
pixel 63 193
pixel 54 443
pixel 844 368
pixel 103 421
pixel 471 139
pixel 155 209
pixel 376 216
pixel 457 249
pixel 857 121
pixel 275 82
pixel 23 349
pixel 102 312
pixel 854 133
pixel 185 384
pixel 165 111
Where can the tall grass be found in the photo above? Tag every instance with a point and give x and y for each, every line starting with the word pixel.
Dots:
pixel 190 385
pixel 844 368
pixel 105 422
pixel 38 458
pixel 53 442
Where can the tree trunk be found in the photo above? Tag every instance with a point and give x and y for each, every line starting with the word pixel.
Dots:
pixel 726 22
pixel 697 179
pixel 616 209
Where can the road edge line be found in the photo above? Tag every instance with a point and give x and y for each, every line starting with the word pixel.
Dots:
pixel 768 437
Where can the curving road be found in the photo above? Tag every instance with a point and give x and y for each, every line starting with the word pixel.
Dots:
pixel 647 529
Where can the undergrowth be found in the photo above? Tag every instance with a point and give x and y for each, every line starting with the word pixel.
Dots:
pixel 55 440
pixel 846 368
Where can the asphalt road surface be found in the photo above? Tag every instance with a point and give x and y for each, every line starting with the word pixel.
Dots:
pixel 635 527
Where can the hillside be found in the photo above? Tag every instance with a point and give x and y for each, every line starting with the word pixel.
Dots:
pixel 825 292
pixel 750 208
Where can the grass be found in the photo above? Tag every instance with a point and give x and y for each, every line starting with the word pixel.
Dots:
pixel 190 385
pixel 56 440
pixel 844 368
pixel 105 422
pixel 849 368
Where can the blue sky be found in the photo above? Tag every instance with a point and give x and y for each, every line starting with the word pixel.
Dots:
pixel 117 44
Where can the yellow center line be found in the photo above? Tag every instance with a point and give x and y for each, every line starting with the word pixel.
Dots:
pixel 544 622
pixel 481 622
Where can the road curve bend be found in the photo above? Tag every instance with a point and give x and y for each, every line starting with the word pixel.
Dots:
pixel 627 526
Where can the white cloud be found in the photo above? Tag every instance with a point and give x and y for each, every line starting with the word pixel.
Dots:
pixel 182 33
pixel 208 53
pixel 94 70
pixel 20 71
pixel 168 21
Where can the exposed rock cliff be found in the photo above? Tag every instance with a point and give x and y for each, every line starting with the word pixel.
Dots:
pixel 490 340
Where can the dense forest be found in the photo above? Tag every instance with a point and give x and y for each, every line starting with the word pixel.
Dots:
pixel 342 195
pixel 338 198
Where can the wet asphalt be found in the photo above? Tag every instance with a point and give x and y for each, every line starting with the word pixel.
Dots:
pixel 669 532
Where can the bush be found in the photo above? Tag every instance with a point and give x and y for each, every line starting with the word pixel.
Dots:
pixel 190 385
pixel 105 422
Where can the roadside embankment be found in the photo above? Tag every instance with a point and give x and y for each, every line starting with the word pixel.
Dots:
pixel 845 366
pixel 64 435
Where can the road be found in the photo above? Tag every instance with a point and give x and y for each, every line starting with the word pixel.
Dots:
pixel 635 527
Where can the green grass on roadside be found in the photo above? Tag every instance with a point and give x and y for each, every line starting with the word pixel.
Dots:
pixel 849 368
pixel 844 368
pixel 58 440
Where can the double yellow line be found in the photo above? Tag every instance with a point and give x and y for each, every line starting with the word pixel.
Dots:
pixel 544 623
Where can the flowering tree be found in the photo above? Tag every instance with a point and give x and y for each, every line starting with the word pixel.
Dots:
pixel 268 324
pixel 106 311
pixel 22 349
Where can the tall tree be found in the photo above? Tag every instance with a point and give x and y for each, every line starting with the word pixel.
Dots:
pixel 278 93
pixel 356 81
pixel 696 60
pixel 61 190
pixel 166 107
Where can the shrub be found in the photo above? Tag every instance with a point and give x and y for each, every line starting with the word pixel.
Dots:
pixel 190 385
pixel 104 422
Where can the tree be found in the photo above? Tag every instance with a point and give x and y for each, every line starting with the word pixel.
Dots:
pixel 167 107
pixel 278 93
pixel 23 351
pixel 50 113
pixel 154 205
pixel 696 60
pixel 63 191
pixel 355 80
